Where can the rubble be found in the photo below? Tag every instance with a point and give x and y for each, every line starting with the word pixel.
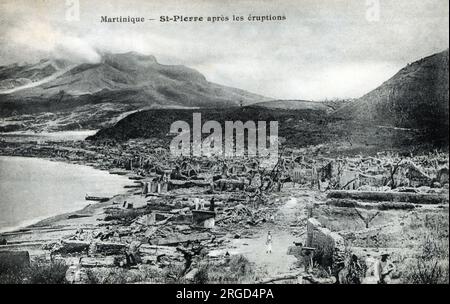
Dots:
pixel 181 211
pixel 181 239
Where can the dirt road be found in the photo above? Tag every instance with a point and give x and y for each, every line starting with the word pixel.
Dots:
pixel 285 229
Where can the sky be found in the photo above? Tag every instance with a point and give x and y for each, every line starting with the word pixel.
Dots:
pixel 324 49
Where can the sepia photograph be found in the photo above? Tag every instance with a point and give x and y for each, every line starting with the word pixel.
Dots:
pixel 226 143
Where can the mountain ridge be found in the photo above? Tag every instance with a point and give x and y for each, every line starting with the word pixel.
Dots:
pixel 130 81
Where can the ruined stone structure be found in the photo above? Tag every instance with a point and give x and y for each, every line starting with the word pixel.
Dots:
pixel 329 246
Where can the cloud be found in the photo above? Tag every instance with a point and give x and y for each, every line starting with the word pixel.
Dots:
pixel 42 37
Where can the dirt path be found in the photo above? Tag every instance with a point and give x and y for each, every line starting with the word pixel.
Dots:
pixel 283 237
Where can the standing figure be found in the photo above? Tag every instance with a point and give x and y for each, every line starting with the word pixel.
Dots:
pixel 202 204
pixel 383 269
pixel 269 243
pixel 212 204
pixel 355 271
pixel 196 203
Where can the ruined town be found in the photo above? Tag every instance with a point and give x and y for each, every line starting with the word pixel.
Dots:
pixel 198 220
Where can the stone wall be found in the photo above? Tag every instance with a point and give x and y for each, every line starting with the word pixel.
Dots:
pixel 329 246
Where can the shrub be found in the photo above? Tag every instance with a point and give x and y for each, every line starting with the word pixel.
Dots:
pixel 238 270
pixel 47 273
pixel 122 276
pixel 425 271
pixel 107 276
pixel 431 265
pixel 240 266
pixel 17 276
pixel 201 277
pixel 174 273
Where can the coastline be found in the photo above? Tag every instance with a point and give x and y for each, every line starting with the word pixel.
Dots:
pixel 37 146
pixel 54 219
pixel 35 237
pixel 51 136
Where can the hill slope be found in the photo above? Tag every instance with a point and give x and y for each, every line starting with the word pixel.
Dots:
pixel 298 127
pixel 294 105
pixel 417 97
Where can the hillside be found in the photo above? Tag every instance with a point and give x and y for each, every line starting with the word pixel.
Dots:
pixel 299 128
pixel 90 95
pixel 294 105
pixel 415 98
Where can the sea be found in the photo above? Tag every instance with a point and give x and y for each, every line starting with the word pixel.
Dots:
pixel 32 189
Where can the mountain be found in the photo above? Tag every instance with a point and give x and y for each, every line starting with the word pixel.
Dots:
pixel 407 111
pixel 417 97
pixel 91 95
pixel 15 76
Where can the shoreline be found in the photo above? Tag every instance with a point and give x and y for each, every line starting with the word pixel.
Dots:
pixel 53 219
pixel 69 135
pixel 86 210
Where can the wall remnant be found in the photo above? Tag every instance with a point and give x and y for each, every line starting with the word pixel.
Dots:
pixel 329 246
